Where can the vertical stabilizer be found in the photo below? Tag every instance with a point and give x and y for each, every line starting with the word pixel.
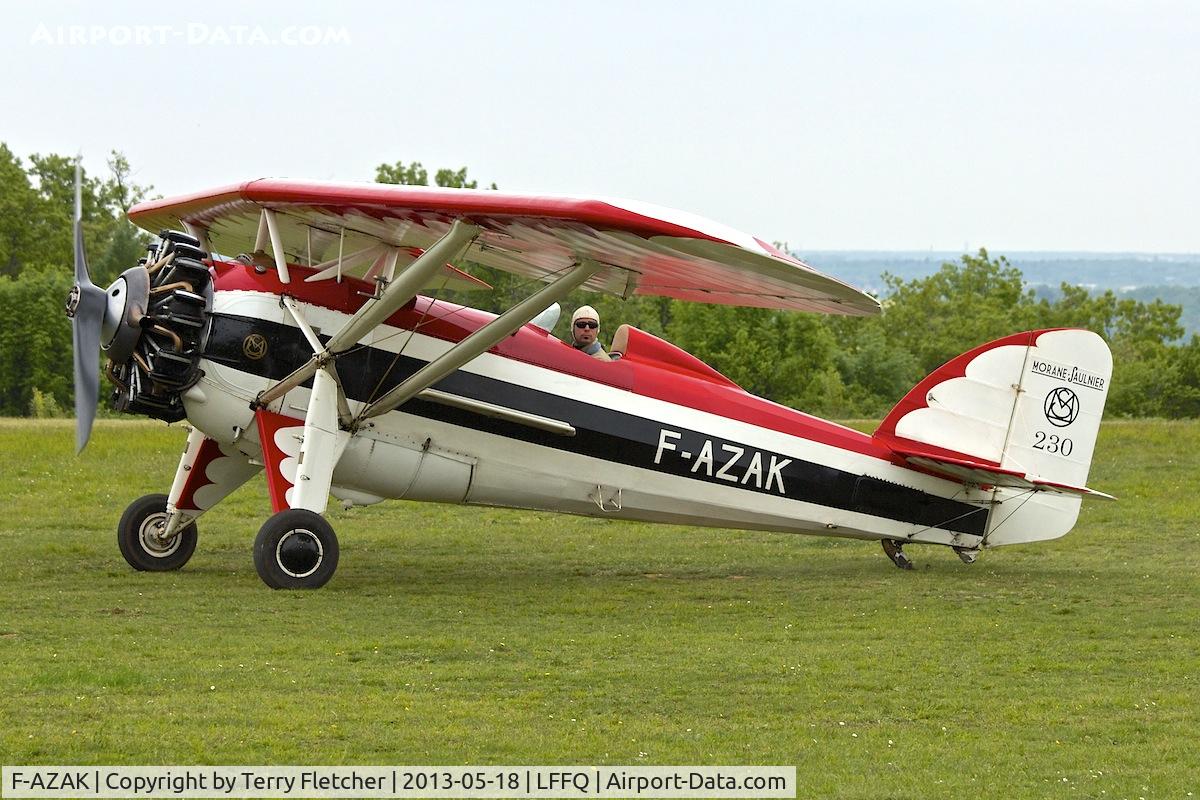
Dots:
pixel 1020 414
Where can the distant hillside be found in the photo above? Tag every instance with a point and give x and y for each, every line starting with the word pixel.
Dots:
pixel 1171 277
pixel 1099 270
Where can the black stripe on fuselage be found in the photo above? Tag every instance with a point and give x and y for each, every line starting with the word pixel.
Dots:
pixel 604 433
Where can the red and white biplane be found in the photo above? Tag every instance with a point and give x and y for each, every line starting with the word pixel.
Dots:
pixel 314 357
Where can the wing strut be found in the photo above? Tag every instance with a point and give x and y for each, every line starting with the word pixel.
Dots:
pixel 277 246
pixel 483 339
pixel 343 407
pixel 377 309
pixel 333 267
pixel 200 232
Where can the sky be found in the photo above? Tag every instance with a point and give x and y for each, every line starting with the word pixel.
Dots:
pixel 920 125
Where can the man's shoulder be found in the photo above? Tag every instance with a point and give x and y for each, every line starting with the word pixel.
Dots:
pixel 595 350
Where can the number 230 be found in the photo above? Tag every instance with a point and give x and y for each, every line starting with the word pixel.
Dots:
pixel 1052 443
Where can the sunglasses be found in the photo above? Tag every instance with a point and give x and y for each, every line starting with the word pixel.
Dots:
pixel 586 324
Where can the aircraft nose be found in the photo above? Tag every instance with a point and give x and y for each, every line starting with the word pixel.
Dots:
pixel 155 320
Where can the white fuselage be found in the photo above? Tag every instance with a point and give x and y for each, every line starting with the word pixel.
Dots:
pixel 682 465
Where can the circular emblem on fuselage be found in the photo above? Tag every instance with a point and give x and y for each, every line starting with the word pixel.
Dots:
pixel 1061 407
pixel 254 346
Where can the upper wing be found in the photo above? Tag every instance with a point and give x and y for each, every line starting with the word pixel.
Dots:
pixel 645 249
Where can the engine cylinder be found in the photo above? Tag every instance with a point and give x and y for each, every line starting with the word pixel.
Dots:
pixel 165 358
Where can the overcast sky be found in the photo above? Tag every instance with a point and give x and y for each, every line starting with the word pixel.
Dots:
pixel 848 125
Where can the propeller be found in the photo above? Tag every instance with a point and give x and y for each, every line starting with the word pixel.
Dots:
pixel 110 318
pixel 86 306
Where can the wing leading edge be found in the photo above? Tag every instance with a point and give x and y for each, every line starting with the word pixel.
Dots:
pixel 643 249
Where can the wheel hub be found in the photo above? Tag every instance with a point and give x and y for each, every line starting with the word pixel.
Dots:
pixel 299 553
pixel 150 534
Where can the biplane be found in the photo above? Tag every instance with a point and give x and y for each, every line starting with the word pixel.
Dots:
pixel 291 323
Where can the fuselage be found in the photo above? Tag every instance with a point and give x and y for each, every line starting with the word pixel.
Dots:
pixel 655 436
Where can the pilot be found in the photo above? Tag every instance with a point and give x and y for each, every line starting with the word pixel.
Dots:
pixel 585 332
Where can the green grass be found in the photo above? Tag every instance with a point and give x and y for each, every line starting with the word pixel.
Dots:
pixel 467 636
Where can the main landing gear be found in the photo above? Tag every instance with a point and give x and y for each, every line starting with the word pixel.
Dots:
pixel 296 549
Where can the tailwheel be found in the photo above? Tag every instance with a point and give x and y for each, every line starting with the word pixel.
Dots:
pixel 140 536
pixel 296 549
pixel 967 554
pixel 895 551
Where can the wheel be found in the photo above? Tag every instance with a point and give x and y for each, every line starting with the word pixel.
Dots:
pixel 137 536
pixel 296 549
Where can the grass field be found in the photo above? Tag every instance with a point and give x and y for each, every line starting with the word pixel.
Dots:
pixel 471 636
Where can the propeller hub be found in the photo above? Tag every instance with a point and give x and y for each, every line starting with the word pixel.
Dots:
pixel 126 301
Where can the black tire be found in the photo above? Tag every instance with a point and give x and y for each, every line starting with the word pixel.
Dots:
pixel 296 549
pixel 135 536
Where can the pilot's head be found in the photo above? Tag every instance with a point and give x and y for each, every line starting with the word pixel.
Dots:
pixel 585 326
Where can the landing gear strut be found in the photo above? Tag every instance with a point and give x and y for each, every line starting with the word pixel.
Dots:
pixel 895 551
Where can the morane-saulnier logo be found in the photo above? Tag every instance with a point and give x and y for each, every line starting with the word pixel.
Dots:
pixel 254 346
pixel 1061 407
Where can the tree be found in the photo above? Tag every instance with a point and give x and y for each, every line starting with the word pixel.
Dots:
pixel 785 356
pixel 958 307
pixel 37 207
pixel 113 243
pixel 1125 320
pixel 876 372
pixel 411 175
pixel 120 190
pixel 35 340
pixel 928 321
pixel 21 212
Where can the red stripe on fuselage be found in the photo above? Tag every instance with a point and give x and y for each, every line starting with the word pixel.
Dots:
pixel 453 323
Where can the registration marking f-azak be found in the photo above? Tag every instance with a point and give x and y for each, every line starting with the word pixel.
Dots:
pixel 727 462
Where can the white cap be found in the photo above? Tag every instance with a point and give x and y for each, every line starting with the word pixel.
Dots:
pixel 584 312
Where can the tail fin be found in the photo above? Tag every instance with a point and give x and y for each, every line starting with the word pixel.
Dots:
pixel 1021 414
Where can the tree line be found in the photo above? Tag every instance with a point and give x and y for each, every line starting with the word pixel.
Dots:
pixel 833 366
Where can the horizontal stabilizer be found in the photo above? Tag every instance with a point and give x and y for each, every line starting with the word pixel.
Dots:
pixel 985 475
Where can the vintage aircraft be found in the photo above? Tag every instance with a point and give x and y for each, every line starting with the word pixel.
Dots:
pixel 314 357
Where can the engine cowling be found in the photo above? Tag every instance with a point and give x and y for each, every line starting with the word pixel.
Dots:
pixel 155 327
